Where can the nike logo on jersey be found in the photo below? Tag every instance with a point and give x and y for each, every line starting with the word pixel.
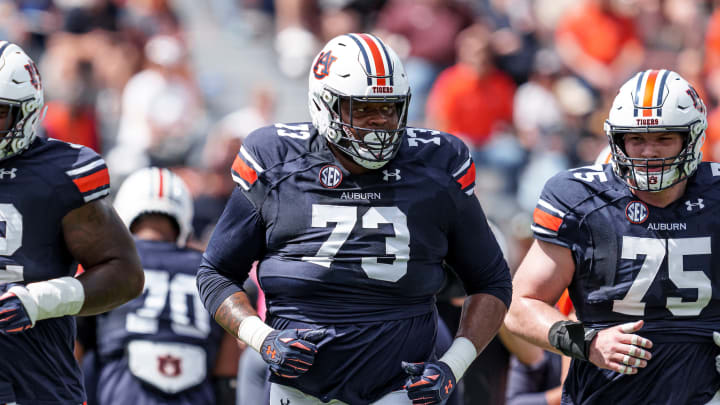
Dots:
pixel 5 174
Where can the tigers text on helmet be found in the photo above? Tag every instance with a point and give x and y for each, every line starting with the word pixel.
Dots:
pixel 153 190
pixel 21 100
pixel 358 68
pixel 656 101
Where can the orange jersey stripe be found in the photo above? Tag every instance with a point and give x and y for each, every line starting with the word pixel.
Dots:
pixel 468 178
pixel 379 65
pixel 92 181
pixel 546 220
pixel 246 172
pixel 649 90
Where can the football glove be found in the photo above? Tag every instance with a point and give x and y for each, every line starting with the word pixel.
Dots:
pixel 429 383
pixel 13 316
pixel 291 352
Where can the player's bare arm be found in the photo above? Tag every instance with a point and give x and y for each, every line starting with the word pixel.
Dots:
pixel 233 311
pixel 482 315
pixel 101 243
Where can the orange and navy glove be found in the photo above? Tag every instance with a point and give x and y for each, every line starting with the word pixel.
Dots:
pixel 13 316
pixel 429 383
pixel 291 352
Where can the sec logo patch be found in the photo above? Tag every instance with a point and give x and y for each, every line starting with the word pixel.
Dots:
pixel 330 176
pixel 636 212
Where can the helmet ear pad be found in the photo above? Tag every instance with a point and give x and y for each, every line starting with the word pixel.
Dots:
pixel 358 68
pixel 655 101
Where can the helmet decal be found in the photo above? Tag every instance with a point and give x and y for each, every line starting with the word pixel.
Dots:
pixel 377 62
pixel 322 66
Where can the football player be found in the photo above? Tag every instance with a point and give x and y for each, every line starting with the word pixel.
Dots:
pixel 634 241
pixel 162 347
pixel 351 217
pixel 52 217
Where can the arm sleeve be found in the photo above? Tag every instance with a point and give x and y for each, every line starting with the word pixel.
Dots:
pixel 237 241
pixel 474 253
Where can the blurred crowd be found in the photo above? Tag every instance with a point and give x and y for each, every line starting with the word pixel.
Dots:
pixel 526 83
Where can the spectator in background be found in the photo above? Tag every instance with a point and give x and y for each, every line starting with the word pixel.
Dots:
pixel 162 111
pixel 598 41
pixel 474 100
pixel 73 119
pixel 423 28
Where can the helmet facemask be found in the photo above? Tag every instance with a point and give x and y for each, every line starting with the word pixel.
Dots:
pixel 371 148
pixel 653 174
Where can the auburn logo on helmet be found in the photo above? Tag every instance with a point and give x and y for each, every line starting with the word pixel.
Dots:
pixel 322 66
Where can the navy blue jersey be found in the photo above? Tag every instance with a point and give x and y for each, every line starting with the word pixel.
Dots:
pixel 360 254
pixel 635 261
pixel 160 347
pixel 37 189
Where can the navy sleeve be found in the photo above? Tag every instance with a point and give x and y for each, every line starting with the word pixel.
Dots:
pixel 474 253
pixel 237 241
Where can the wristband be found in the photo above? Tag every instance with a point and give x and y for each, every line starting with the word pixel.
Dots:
pixel 572 338
pixel 253 331
pixel 459 356
pixel 51 299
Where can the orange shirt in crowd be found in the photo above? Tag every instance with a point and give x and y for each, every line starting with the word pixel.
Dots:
pixel 468 105
pixel 712 42
pixel 78 127
pixel 601 35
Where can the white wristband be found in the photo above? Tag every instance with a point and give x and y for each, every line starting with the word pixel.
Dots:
pixel 459 356
pixel 52 298
pixel 253 331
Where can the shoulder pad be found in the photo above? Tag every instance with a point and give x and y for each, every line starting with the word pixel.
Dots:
pixel 270 146
pixel 565 190
pixel 445 152
pixel 83 166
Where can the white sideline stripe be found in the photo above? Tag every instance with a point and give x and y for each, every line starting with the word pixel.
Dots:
pixel 241 182
pixel 85 168
pixel 547 205
pixel 542 231
pixel 96 195
pixel 463 167
pixel 250 159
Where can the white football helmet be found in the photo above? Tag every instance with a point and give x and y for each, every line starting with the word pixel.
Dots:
pixel 153 190
pixel 656 101
pixel 352 68
pixel 22 93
